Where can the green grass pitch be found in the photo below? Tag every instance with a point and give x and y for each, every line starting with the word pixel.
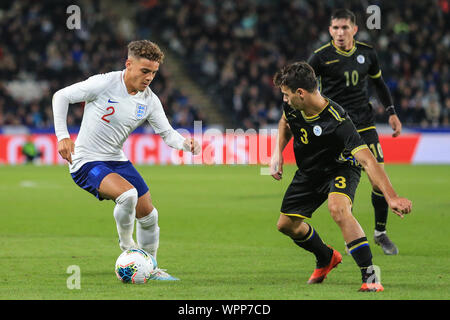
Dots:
pixel 218 234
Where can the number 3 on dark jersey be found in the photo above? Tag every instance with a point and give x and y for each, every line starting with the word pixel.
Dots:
pixel 304 137
pixel 340 182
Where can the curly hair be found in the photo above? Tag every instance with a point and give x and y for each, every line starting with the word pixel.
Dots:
pixel 145 49
pixel 296 75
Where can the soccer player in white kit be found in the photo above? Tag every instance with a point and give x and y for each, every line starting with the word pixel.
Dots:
pixel 116 103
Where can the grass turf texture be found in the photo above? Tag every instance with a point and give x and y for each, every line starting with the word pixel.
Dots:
pixel 218 234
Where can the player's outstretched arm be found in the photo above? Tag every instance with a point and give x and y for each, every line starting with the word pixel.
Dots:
pixel 376 173
pixel 282 139
pixel 175 140
pixel 158 120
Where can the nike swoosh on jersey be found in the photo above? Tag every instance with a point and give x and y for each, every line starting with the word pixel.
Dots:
pixel 110 101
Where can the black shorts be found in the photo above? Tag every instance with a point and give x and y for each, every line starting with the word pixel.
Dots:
pixel 305 193
pixel 370 137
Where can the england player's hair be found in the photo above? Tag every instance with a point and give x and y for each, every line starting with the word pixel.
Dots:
pixel 343 14
pixel 145 49
pixel 296 75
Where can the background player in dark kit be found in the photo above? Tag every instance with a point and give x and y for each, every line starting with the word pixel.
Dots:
pixel 343 67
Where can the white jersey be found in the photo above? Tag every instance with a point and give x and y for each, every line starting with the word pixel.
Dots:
pixel 110 115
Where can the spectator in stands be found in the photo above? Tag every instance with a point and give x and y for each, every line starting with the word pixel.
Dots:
pixel 243 41
pixel 229 47
pixel 446 112
pixel 39 50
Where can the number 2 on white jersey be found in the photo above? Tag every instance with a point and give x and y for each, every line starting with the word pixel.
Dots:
pixel 108 114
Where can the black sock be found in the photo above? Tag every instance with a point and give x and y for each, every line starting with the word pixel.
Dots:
pixel 381 210
pixel 313 243
pixel 361 253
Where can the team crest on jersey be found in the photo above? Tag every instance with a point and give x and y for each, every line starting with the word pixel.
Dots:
pixel 140 110
pixel 360 59
pixel 317 130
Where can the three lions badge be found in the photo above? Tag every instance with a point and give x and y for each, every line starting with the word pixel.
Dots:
pixel 140 111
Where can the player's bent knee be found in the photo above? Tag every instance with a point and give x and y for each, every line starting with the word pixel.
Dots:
pixel 284 225
pixel 128 198
pixel 338 211
pixel 283 228
pixel 288 227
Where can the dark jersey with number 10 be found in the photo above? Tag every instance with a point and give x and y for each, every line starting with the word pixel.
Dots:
pixel 325 141
pixel 343 76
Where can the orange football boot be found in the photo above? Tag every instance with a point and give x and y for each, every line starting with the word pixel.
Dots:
pixel 371 287
pixel 320 274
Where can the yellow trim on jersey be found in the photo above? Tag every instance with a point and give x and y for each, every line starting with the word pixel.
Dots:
pixel 335 114
pixel 361 147
pixel 351 202
pixel 365 129
pixel 364 44
pixel 345 53
pixel 294 215
pixel 310 118
pixel 332 61
pixel 322 47
pixel 316 116
pixel 376 75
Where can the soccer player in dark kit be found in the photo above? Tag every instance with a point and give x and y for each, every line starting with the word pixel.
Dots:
pixel 329 153
pixel 343 67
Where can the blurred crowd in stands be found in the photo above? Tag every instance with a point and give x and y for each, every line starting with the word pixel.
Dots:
pixel 40 55
pixel 231 49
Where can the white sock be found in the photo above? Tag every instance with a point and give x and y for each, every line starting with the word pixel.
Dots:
pixel 147 232
pixel 124 214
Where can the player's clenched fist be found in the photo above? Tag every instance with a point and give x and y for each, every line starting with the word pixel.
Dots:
pixel 193 146
pixel 276 166
pixel 66 148
pixel 400 206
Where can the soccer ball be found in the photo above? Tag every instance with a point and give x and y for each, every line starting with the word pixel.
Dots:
pixel 134 266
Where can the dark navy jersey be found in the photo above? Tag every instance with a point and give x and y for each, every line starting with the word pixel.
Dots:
pixel 343 75
pixel 325 141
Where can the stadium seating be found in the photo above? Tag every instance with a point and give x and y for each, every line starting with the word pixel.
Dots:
pixel 39 55
pixel 231 48
pixel 234 48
